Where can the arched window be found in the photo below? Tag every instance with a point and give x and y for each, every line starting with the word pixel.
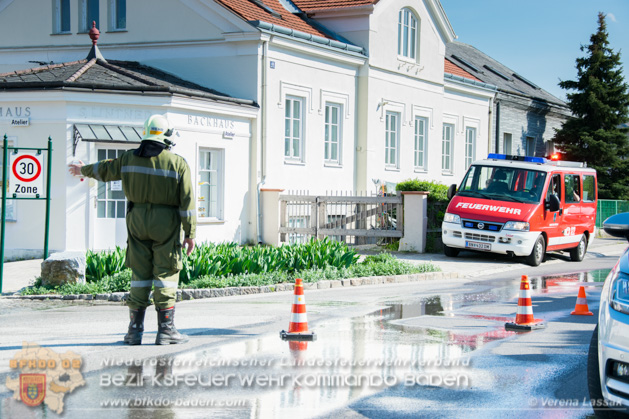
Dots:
pixel 407 34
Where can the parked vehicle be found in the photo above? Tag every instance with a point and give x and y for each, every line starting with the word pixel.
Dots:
pixel 522 206
pixel 608 358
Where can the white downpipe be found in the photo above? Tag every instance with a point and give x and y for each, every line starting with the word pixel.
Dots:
pixel 265 53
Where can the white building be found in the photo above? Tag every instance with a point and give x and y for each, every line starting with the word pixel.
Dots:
pixel 345 94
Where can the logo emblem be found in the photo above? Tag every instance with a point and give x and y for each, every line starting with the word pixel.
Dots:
pixel 32 388
pixel 481 226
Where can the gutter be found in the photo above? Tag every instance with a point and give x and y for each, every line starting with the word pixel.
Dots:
pixel 315 39
pixel 463 80
pixel 111 87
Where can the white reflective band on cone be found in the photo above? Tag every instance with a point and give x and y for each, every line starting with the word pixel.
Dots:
pixel 299 318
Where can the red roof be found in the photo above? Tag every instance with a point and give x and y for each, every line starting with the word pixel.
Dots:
pixel 250 11
pixel 311 5
pixel 450 67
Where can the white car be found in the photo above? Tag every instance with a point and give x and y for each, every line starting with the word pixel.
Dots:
pixel 608 358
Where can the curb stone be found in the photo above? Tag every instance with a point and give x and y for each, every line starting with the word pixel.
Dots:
pixel 196 294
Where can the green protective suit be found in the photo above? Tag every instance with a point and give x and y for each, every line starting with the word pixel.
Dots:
pixel 161 200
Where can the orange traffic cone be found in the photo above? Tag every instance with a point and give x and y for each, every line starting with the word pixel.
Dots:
pixel 298 326
pixel 581 308
pixel 524 319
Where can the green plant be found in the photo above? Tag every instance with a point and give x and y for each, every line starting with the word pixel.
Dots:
pixel 219 260
pixel 438 191
pixel 101 264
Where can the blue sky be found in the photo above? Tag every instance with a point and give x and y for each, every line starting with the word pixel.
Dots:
pixel 539 39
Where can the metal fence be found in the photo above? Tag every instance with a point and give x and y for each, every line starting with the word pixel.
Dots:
pixel 352 219
pixel 608 207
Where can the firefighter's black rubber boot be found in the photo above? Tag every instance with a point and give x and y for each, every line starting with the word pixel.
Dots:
pixel 167 333
pixel 136 326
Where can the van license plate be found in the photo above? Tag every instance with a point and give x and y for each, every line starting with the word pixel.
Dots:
pixel 478 246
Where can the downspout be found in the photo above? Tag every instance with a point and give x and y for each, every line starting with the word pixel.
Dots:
pixel 265 52
pixel 491 123
pixel 497 127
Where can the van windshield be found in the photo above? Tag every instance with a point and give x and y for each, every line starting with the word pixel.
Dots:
pixel 503 184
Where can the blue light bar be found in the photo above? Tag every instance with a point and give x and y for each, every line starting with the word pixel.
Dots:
pixel 529 159
pixel 497 156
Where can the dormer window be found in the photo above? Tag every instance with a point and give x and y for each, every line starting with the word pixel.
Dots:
pixel 407 34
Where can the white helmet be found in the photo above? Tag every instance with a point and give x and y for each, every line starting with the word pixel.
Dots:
pixel 156 128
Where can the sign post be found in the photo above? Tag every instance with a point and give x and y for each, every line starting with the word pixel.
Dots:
pixel 26 182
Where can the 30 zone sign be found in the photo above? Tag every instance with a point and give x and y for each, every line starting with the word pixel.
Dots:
pixel 26 175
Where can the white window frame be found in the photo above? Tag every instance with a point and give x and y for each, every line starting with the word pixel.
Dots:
pixel 447 148
pixel 408 35
pixel 58 6
pixel 220 182
pixel 85 23
pixel 108 187
pixel 294 154
pixel 329 139
pixel 420 151
pixel 392 139
pixel 470 145
pixel 114 11
pixel 507 138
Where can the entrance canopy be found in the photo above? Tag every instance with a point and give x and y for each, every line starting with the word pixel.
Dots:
pixel 116 134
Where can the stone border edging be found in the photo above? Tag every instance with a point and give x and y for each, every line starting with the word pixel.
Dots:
pixel 202 293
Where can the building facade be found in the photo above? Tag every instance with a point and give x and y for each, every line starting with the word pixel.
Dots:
pixel 524 116
pixel 341 96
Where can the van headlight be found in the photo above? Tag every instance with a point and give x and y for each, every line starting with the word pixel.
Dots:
pixel 451 218
pixel 620 294
pixel 517 225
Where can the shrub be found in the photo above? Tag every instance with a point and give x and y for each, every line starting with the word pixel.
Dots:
pixel 438 191
pixel 101 264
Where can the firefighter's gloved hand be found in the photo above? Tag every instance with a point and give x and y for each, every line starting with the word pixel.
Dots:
pixel 189 245
pixel 75 168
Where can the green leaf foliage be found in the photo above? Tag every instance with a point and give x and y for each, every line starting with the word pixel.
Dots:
pixel 224 259
pixel 378 265
pixel 101 264
pixel 438 191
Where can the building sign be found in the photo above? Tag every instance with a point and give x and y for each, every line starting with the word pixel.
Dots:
pixel 17 112
pixel 26 178
pixel 211 122
pixel 116 185
pixel 20 122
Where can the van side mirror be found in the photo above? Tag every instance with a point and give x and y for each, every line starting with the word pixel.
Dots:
pixel 451 191
pixel 617 225
pixel 552 204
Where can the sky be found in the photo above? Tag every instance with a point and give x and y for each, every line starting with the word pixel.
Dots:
pixel 539 39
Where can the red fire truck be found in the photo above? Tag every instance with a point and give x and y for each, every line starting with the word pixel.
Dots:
pixel 522 206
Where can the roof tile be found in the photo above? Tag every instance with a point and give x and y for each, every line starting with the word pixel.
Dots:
pixel 249 11
pixel 450 67
pixel 311 5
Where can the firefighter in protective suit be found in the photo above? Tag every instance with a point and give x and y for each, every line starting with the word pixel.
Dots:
pixel 160 197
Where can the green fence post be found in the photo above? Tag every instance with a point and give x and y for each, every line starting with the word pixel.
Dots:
pixel 48 172
pixel 4 206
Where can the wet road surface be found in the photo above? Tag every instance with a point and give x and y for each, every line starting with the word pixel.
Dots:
pixel 443 354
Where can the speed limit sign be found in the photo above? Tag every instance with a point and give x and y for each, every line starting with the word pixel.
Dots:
pixel 26 177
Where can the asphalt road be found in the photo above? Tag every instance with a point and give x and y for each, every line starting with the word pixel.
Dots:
pixel 431 348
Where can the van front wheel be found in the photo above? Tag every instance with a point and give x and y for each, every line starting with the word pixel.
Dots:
pixel 450 251
pixel 578 253
pixel 537 254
